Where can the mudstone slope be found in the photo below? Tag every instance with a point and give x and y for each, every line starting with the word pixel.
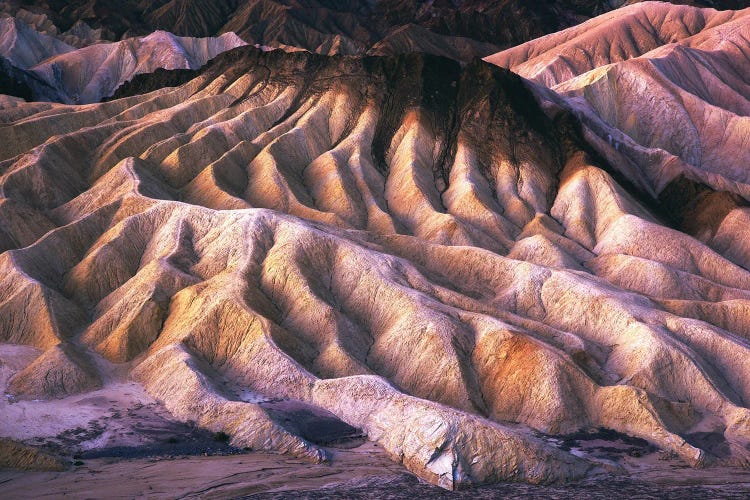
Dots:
pixel 458 29
pixel 54 71
pixel 418 247
pixel 665 100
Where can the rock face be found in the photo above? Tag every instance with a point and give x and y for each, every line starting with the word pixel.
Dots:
pixel 55 71
pixel 461 29
pixel 89 74
pixel 79 34
pixel 673 65
pixel 24 47
pixel 58 372
pixel 410 244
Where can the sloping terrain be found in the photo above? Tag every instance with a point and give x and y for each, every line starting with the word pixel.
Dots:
pixel 458 29
pixel 78 35
pixel 91 73
pixel 667 99
pixel 17 456
pixel 25 47
pixel 55 71
pixel 406 243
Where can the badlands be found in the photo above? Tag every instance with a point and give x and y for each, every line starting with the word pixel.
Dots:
pixel 56 71
pixel 528 270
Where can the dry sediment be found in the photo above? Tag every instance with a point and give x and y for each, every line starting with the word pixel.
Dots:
pixel 412 246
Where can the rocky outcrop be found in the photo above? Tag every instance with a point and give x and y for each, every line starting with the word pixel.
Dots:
pixel 59 372
pixel 672 65
pixel 87 75
pixel 13 81
pixel 25 47
pixel 55 71
pixel 407 243
pixel 458 29
pixel 79 34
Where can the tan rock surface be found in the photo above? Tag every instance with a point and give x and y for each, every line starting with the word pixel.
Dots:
pixel 410 245
pixel 18 456
pixel 60 371
pixel 662 89
pixel 63 73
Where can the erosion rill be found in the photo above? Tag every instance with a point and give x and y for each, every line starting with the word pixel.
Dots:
pixel 441 254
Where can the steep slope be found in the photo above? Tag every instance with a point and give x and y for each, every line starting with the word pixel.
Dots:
pixel 411 245
pixel 79 35
pixel 459 29
pixel 17 456
pixel 13 82
pixel 55 71
pixel 629 32
pixel 89 74
pixel 415 38
pixel 24 47
pixel 667 98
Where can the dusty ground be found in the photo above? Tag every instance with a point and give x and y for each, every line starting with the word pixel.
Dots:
pixel 204 477
pixel 120 443
pixel 119 420
pixel 362 472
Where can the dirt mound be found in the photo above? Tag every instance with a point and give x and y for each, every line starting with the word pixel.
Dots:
pixel 407 245
pixel 18 456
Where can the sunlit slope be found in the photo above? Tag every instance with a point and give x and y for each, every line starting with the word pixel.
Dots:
pixel 409 244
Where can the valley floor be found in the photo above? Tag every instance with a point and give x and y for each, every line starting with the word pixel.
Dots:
pixel 363 472
pixel 124 444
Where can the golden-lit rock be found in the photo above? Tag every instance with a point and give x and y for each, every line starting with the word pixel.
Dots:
pixel 409 244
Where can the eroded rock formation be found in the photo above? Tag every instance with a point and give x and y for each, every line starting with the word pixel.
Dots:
pixel 411 245
pixel 15 455
pixel 461 29
pixel 52 70
pixel 665 99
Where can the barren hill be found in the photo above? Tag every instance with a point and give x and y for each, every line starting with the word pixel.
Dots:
pixel 409 244
pixel 56 71
pixel 458 29
pixel 666 99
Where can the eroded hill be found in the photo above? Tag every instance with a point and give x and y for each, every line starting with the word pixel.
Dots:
pixel 411 245
pixel 41 67
pixel 457 29
pixel 665 100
